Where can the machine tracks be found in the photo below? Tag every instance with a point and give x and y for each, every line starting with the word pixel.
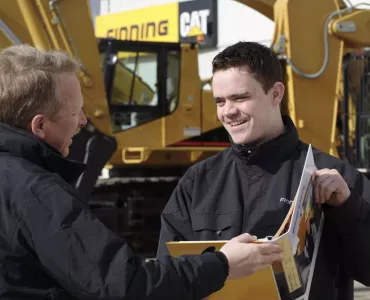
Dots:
pixel 131 208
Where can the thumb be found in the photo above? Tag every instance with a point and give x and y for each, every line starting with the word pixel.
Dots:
pixel 245 238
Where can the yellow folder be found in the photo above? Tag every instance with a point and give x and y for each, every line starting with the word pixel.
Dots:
pixel 240 289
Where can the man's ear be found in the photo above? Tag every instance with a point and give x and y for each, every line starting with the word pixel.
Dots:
pixel 277 93
pixel 38 126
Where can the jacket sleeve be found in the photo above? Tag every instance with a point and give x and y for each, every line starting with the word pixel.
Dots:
pixel 351 223
pixel 90 262
pixel 175 219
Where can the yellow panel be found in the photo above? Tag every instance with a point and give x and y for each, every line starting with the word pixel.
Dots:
pixel 146 135
pixel 185 120
pixel 209 112
pixel 155 23
pixel 4 41
pixel 12 17
pixel 360 20
pixel 312 102
pixel 265 7
pixel 76 15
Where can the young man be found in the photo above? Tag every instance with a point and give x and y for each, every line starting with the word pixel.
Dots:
pixel 238 190
pixel 51 246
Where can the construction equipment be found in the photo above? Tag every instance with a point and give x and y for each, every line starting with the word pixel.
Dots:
pixel 323 47
pixel 150 118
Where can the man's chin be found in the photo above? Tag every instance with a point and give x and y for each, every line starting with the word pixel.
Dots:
pixel 240 140
pixel 65 152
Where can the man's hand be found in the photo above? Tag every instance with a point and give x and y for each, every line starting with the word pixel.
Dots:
pixel 330 188
pixel 245 257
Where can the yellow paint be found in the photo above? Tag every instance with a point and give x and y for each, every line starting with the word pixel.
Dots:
pixel 155 24
pixel 195 31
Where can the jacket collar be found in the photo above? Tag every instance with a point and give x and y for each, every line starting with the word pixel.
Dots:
pixel 21 143
pixel 274 150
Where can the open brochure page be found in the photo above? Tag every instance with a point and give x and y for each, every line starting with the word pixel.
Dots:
pixel 300 242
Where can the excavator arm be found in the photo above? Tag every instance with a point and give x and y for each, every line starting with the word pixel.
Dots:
pixel 312 37
pixel 265 7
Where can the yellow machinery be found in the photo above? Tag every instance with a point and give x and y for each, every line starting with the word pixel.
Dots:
pixel 149 117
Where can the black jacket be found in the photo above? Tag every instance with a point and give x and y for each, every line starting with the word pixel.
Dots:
pixel 246 189
pixel 52 247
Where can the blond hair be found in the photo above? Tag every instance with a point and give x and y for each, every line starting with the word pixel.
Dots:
pixel 28 83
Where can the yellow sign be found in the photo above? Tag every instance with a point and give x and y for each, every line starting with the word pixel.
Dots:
pixel 189 21
pixel 156 23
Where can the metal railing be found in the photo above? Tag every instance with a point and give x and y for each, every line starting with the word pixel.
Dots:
pixel 354 116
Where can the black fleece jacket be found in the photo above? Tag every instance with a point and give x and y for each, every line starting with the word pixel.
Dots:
pixel 52 247
pixel 250 189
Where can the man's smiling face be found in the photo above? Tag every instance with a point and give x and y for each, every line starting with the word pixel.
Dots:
pixel 243 107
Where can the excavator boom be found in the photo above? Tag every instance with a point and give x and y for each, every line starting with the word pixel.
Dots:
pixel 265 7
pixel 312 37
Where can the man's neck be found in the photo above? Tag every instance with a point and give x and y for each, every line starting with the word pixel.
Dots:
pixel 276 130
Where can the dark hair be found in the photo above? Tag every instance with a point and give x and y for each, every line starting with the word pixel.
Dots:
pixel 260 61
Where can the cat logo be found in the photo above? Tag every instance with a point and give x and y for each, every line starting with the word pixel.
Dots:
pixel 194 24
pixel 198 22
pixel 177 22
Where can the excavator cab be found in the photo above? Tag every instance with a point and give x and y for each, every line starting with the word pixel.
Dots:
pixel 141 80
pixel 354 110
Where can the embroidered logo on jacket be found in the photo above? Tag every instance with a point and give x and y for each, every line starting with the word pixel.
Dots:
pixel 287 201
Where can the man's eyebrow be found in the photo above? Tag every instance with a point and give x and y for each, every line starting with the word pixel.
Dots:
pixel 240 95
pixel 234 96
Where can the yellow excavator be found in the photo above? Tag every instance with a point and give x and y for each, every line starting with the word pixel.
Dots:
pixel 150 117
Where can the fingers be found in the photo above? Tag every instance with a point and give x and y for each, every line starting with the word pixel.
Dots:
pixel 245 238
pixel 268 248
pixel 325 187
pixel 322 177
pixel 271 258
pixel 321 172
pixel 267 260
pixel 330 188
pixel 270 253
pixel 326 183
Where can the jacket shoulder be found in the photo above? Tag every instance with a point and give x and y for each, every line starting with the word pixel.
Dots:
pixel 23 176
pixel 204 169
pixel 215 162
pixel 25 190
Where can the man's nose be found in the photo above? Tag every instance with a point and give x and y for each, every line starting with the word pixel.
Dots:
pixel 230 108
pixel 83 120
